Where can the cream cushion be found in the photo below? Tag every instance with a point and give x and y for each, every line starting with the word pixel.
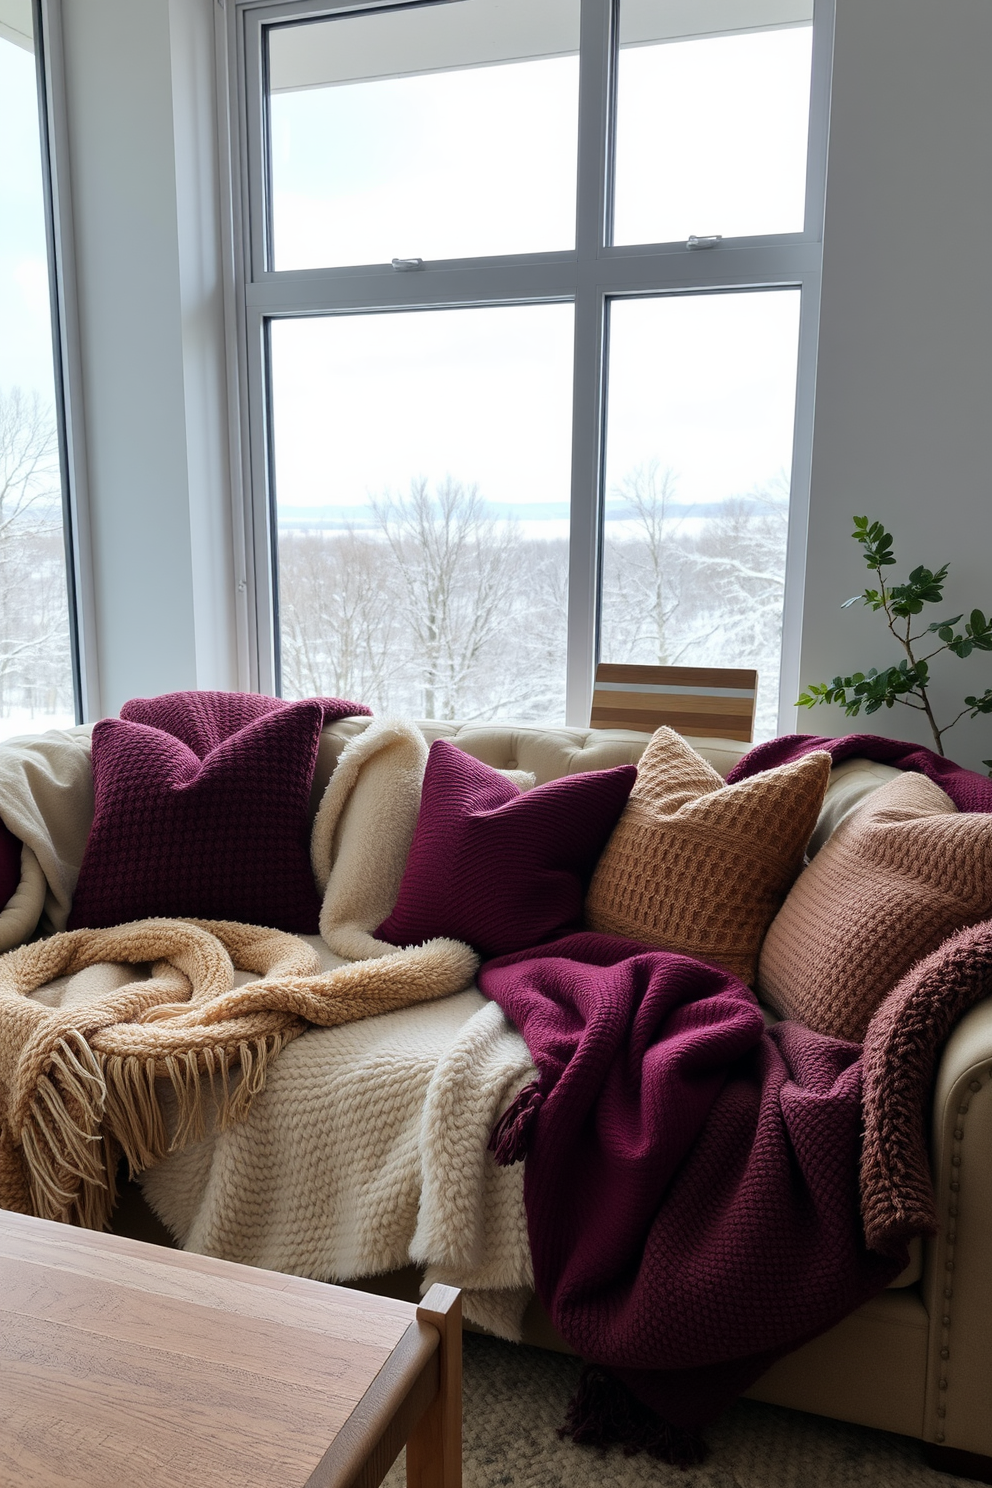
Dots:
pixel 851 783
pixel 21 913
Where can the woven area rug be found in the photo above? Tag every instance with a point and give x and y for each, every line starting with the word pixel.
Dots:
pixel 515 1399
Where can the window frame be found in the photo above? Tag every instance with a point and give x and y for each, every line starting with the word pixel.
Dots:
pixel 589 275
pixel 49 71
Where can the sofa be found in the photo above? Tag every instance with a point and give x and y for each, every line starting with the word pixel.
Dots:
pixel 917 1358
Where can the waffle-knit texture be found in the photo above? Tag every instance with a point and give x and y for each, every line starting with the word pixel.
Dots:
pixel 496 868
pixel 203 811
pixel 897 878
pixel 697 866
pixel 202 720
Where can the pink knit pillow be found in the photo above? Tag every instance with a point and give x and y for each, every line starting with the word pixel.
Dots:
pixel 897 877
pixel 222 834
pixel 496 868
pixel 10 864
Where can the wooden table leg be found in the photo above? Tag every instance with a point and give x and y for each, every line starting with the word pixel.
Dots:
pixel 434 1450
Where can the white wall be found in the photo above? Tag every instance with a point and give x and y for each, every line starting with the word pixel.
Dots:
pixel 140 116
pixel 903 423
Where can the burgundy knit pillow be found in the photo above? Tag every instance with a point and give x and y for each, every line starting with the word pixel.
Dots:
pixel 222 836
pixel 10 864
pixel 496 868
pixel 202 720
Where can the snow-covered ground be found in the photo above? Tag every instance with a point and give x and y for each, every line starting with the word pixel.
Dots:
pixel 23 721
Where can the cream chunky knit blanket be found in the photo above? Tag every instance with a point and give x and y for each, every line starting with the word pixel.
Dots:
pixel 366 1151
pixel 363 1150
pixel 367 1148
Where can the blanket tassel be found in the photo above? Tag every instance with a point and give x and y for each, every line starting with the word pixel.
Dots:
pixel 603 1412
pixel 510 1137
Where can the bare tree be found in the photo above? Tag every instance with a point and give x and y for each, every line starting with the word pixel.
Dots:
pixel 741 553
pixel 455 565
pixel 697 587
pixel 442 610
pixel 35 669
pixel 650 606
pixel 535 653
pixel 339 618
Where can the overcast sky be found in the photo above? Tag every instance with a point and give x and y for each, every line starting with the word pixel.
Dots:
pixel 711 139
pixel 25 334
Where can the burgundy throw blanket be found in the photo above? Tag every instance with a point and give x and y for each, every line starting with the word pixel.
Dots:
pixel 691 1181
pixel 968 790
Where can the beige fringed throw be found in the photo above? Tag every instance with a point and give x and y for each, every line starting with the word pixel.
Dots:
pixel 78 1083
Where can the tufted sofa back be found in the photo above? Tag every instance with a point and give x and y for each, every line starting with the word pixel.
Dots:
pixel 547 752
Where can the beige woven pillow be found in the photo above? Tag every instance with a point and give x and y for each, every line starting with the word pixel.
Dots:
pixel 897 877
pixel 698 866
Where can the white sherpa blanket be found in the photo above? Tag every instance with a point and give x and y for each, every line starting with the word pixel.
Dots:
pixel 46 800
pixel 367 1147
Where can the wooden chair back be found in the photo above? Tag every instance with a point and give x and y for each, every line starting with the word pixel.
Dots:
pixel 715 702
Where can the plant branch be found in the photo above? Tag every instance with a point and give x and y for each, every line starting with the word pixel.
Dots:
pixel 908 682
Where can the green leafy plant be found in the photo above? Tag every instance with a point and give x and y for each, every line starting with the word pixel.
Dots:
pixel 906 683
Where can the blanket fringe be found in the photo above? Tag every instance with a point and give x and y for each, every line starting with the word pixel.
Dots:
pixel 89 1108
pixel 603 1412
pixel 510 1138
pixel 62 1138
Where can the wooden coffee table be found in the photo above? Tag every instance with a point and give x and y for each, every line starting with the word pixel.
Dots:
pixel 126 1365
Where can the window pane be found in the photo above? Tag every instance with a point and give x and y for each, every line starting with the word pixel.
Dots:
pixel 712 119
pixel 35 667
pixel 702 392
pixel 443 131
pixel 422 480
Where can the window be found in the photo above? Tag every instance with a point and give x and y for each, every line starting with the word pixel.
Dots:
pixel 529 292
pixel 36 654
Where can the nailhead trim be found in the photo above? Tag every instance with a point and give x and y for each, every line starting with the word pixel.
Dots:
pixel 952 1211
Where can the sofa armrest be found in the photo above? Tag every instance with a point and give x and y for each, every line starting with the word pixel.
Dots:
pixel 957 1282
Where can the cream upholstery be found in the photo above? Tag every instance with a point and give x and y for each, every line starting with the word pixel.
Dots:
pixel 548 752
pixel 957 1283
pixel 851 783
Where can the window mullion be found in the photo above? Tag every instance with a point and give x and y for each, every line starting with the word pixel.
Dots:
pixel 253 103
pixel 261 537
pixel 595 109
